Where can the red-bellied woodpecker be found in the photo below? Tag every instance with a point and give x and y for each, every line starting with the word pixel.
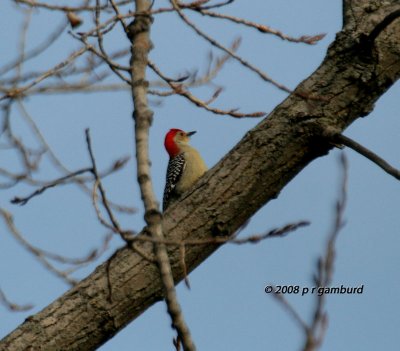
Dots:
pixel 185 165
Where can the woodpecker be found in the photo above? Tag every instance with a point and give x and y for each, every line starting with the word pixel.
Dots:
pixel 185 165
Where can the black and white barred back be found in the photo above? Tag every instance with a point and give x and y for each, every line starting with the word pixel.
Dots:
pixel 176 165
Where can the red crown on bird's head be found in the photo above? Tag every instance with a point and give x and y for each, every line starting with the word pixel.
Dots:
pixel 169 142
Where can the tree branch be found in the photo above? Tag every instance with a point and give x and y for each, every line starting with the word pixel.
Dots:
pixel 368 154
pixel 139 33
pixel 254 172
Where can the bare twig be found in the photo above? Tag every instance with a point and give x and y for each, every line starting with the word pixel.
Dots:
pixel 51 7
pixel 30 158
pixel 214 67
pixel 253 239
pixel 325 267
pixel 19 91
pixel 44 256
pixel 182 253
pixel 100 186
pixel 118 14
pixel 24 200
pixel 54 35
pixel 80 88
pixel 315 331
pixel 113 66
pixel 86 69
pixel 11 305
pixel 22 42
pixel 305 39
pixel 340 138
pixel 118 164
pixel 291 310
pixel 215 43
pixel 179 89
pixel 140 39
pixel 126 235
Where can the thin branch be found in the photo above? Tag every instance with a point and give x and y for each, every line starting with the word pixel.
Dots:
pixel 305 39
pixel 88 68
pixel 24 200
pixel 221 4
pixel 11 305
pixel 253 239
pixel 280 232
pixel 340 138
pixel 200 4
pixel 291 310
pixel 30 158
pixel 215 43
pixel 118 164
pixel 100 186
pixel 38 49
pixel 47 6
pixel 115 227
pixel 82 88
pixel 179 89
pixel 94 254
pixel 117 12
pixel 325 266
pixel 44 256
pixel 19 91
pixel 182 254
pixel 140 39
pixel 22 42
pixel 214 67
pixel 113 66
pixel 315 332
pixel 97 209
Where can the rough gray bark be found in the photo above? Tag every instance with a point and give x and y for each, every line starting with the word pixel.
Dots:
pixel 354 74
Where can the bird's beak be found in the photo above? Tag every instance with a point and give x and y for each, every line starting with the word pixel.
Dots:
pixel 189 134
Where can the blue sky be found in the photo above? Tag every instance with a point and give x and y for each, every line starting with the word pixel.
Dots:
pixel 226 307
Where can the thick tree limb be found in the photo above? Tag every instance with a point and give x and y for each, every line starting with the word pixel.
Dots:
pixel 349 82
